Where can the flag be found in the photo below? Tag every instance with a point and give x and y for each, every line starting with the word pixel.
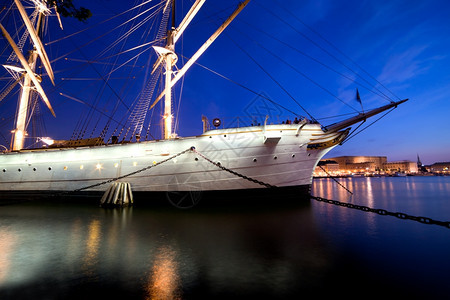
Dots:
pixel 357 97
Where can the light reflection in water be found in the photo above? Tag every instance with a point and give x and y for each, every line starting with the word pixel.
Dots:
pixel 164 281
pixel 75 240
pixel 7 247
pixel 279 254
pixel 92 245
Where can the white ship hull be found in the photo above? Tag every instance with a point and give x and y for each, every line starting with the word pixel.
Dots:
pixel 253 158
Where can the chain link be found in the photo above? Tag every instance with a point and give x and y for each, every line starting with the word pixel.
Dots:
pixel 233 172
pixel 384 212
pixel 129 174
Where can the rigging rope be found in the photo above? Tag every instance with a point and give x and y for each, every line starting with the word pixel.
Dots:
pixel 289 45
pixel 352 136
pixel 272 78
pixel 246 88
pixel 123 38
pixel 139 113
pixel 327 52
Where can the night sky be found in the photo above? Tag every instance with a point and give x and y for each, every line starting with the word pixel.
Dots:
pixel 397 49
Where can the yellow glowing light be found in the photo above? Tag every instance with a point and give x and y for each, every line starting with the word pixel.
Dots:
pixel 134 163
pixel 48 141
pixel 154 162
pixel 65 168
pixel 81 167
pixel 116 165
pixel 98 166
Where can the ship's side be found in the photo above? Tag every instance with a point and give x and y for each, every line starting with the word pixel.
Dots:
pixel 224 159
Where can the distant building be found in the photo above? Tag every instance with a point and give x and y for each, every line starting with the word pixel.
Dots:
pixel 326 168
pixel 440 167
pixel 367 165
pixel 360 164
pixel 404 166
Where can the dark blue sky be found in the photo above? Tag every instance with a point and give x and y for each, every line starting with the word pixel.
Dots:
pixel 403 45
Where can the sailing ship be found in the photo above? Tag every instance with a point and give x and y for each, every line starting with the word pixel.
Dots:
pixel 262 158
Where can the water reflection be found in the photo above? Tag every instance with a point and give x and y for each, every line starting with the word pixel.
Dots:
pixel 164 281
pixel 52 251
pixel 416 196
pixel 90 257
pixel 158 253
pixel 8 242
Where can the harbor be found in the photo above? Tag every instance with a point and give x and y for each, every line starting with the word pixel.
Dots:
pixel 211 149
pixel 56 250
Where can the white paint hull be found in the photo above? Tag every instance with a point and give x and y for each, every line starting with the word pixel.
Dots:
pixel 276 155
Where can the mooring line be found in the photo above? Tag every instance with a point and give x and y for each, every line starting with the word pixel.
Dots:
pixel 336 181
pixel 383 212
pixel 126 175
pixel 233 172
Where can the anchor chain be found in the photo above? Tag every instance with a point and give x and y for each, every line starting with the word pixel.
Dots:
pixel 132 173
pixel 383 212
pixel 233 172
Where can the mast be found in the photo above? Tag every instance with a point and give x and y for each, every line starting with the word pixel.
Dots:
pixel 20 131
pixel 22 113
pixel 170 57
pixel 170 60
pixel 30 79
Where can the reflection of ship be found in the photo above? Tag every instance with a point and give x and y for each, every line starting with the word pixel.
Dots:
pixel 252 157
pixel 159 252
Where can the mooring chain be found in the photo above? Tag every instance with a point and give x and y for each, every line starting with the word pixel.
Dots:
pixel 217 164
pixel 132 173
pixel 384 212
pixel 332 177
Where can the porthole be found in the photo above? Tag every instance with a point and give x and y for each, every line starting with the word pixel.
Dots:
pixel 19 169
pixel 254 160
pixel 4 170
pixel 34 169
pixel 49 168
pixel 196 159
pixel 293 155
pixel 275 157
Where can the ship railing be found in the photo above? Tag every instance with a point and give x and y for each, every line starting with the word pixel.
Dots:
pixel 248 121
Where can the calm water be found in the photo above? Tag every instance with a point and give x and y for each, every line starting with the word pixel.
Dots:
pixel 68 250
